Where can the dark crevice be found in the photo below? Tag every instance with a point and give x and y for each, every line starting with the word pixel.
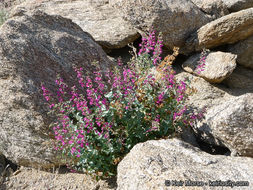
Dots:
pixel 126 53
pixel 8 169
pixel 123 53
pixel 177 65
pixel 213 149
pixel 11 165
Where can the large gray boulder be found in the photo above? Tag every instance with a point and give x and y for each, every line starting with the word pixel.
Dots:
pixel 241 78
pixel 228 29
pixel 230 124
pixel 215 67
pixel 244 51
pixel 34 48
pixel 238 5
pixel 96 17
pixel 228 111
pixel 176 19
pixel 214 8
pixel 149 164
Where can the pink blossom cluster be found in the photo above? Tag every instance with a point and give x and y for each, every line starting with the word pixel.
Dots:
pixel 202 62
pixel 153 46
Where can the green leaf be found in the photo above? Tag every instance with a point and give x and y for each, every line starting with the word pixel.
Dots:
pixel 109 95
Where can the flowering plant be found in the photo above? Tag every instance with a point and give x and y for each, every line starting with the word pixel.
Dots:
pixel 130 104
pixel 201 63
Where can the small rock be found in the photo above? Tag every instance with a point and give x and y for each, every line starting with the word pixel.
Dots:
pixel 216 67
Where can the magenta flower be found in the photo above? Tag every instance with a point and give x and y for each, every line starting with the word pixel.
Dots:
pixel 71 142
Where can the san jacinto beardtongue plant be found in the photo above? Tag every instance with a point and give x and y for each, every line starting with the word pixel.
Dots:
pixel 126 105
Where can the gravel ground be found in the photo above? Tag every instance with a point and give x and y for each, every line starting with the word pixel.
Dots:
pixel 34 179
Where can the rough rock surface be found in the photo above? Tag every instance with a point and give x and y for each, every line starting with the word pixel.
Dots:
pixel 230 124
pixel 34 48
pixel 237 5
pixel 176 19
pixel 241 78
pixel 244 52
pixel 2 168
pixel 96 17
pixel 2 164
pixel 149 164
pixel 214 8
pixel 228 29
pixel 205 94
pixel 210 96
pixel 10 3
pixel 216 67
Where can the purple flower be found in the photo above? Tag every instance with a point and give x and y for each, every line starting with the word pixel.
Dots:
pixel 71 142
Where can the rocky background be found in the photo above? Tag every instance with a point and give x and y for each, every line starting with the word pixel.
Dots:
pixel 44 37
